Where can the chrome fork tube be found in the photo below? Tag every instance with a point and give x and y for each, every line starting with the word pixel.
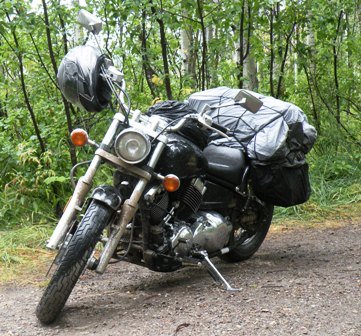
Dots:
pixel 109 136
pixel 82 188
pixel 129 208
pixel 128 211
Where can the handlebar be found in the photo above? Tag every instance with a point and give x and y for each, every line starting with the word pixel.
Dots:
pixel 218 127
pixel 202 120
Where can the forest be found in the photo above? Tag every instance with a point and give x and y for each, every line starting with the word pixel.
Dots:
pixel 306 52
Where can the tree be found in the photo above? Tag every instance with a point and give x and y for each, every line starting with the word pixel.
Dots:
pixel 303 51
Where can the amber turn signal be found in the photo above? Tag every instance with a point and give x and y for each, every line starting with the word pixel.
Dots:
pixel 79 137
pixel 171 183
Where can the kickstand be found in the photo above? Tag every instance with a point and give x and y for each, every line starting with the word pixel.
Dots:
pixel 212 270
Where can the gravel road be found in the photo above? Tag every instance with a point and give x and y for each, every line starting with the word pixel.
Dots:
pixel 301 282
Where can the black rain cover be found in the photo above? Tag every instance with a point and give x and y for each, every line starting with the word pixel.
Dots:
pixel 172 110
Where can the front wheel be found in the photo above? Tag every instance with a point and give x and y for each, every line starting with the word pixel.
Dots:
pixel 247 239
pixel 74 261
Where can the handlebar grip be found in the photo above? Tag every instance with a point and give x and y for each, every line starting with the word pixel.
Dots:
pixel 218 127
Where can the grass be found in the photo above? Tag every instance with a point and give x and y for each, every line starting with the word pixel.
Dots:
pixel 22 256
pixel 337 199
pixel 344 215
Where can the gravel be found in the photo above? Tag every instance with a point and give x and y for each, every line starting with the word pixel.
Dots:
pixel 300 282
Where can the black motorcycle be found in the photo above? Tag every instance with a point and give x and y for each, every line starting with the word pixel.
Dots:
pixel 175 200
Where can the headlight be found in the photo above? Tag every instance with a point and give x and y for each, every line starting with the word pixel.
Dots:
pixel 132 145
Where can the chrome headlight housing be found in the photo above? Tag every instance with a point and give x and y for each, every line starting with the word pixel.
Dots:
pixel 132 145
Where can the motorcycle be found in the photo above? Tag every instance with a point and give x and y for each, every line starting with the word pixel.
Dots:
pixel 172 202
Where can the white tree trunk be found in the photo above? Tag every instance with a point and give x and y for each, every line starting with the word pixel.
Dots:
pixel 250 73
pixel 186 37
pixel 249 65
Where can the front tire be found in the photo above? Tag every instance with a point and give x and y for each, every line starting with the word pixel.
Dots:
pixel 74 261
pixel 245 248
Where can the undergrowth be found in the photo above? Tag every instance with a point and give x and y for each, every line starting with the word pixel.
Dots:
pixel 336 188
pixel 22 252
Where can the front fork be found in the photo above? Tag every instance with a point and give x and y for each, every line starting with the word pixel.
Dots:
pixel 129 207
pixel 128 210
pixel 75 204
pixel 82 188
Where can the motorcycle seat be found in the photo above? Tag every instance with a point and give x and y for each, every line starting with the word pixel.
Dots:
pixel 225 163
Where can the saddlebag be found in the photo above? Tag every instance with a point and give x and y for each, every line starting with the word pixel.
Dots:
pixel 281 185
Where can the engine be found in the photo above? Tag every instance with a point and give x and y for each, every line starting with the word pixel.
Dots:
pixel 210 231
pixel 186 227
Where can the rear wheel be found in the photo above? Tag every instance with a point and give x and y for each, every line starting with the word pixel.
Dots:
pixel 249 237
pixel 74 261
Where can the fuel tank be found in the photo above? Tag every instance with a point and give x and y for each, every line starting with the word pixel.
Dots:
pixel 182 158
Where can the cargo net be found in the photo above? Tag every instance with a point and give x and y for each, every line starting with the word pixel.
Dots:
pixel 278 132
pixel 276 139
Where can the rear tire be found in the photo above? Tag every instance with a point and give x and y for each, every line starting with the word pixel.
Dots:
pixel 74 261
pixel 245 250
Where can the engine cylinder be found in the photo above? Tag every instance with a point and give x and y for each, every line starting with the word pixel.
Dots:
pixel 190 198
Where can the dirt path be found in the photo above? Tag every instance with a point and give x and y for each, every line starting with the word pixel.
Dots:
pixel 301 282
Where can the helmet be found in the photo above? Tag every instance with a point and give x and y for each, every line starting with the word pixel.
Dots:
pixel 80 81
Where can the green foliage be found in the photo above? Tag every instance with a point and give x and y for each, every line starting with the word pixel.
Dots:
pixel 321 74
pixel 24 238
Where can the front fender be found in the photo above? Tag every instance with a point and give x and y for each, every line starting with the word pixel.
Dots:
pixel 107 195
